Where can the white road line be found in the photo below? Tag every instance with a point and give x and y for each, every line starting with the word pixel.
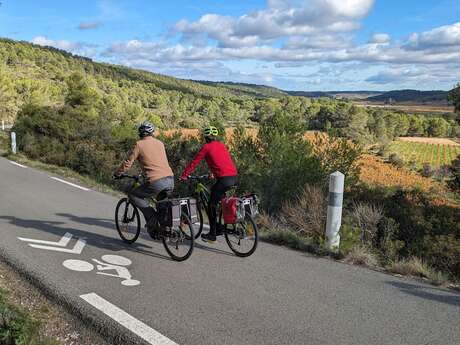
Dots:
pixel 70 184
pixel 137 327
pixel 19 165
pixel 63 242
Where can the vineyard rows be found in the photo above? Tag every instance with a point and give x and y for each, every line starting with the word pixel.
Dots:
pixel 419 153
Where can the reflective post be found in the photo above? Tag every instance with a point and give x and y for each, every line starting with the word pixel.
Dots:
pixel 13 142
pixel 334 210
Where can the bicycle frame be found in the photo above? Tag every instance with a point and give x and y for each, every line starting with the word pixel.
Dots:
pixel 204 195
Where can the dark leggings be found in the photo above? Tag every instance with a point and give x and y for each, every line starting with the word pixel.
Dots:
pixel 222 185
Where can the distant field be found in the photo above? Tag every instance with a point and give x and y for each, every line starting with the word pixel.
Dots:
pixel 433 153
pixel 411 108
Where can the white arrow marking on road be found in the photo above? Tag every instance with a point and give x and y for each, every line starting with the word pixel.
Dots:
pixel 57 246
pixel 63 242
pixel 77 249
pixel 19 165
pixel 123 318
pixel 70 184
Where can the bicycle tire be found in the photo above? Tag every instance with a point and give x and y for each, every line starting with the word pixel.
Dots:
pixel 176 234
pixel 234 236
pixel 200 210
pixel 135 217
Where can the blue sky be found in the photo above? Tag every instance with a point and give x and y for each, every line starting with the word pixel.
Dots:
pixel 291 44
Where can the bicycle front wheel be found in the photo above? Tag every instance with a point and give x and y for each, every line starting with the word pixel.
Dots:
pixel 127 221
pixel 179 240
pixel 242 237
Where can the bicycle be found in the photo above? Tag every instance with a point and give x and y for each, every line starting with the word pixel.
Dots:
pixel 178 240
pixel 242 237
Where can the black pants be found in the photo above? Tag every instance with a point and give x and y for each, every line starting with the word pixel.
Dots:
pixel 222 185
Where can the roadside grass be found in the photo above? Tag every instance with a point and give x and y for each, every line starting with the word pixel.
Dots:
pixel 362 256
pixel 416 267
pixel 292 240
pixel 17 327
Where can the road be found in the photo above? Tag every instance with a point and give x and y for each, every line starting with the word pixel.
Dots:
pixel 277 296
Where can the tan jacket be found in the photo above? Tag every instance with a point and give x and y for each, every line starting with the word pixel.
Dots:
pixel 152 157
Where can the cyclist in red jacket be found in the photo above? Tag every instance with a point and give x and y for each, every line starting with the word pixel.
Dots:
pixel 222 167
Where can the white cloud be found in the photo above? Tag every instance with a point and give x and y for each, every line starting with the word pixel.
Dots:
pixel 380 38
pixel 79 48
pixel 447 36
pixel 281 18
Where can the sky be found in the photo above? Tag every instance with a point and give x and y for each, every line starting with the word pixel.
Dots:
pixel 290 44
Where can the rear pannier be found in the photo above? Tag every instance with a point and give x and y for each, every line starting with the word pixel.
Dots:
pixel 170 210
pixel 251 204
pixel 232 210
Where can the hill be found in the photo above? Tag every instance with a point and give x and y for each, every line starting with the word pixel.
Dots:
pixel 244 89
pixel 413 96
pixel 34 74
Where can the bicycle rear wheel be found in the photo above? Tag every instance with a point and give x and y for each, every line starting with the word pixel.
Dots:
pixel 201 212
pixel 179 240
pixel 127 221
pixel 242 238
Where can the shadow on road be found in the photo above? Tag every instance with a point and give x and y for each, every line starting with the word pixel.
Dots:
pixel 429 293
pixel 93 239
pixel 109 224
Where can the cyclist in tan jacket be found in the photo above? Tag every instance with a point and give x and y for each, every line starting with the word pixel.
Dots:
pixel 151 154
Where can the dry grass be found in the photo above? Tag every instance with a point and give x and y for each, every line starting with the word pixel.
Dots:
pixel 362 255
pixel 307 214
pixel 416 267
pixel 367 217
pixel 410 267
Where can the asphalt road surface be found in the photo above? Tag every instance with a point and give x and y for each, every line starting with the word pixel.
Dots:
pixel 63 237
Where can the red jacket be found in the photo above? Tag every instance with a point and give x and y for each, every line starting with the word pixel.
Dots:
pixel 218 158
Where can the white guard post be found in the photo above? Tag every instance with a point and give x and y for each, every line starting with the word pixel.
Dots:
pixel 334 210
pixel 3 125
pixel 13 142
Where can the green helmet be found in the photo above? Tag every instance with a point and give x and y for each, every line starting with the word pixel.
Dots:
pixel 210 131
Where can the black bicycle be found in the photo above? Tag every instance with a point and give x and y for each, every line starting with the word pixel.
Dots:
pixel 171 224
pixel 242 236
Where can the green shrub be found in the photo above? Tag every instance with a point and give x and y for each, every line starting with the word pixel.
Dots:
pixel 443 252
pixel 350 237
pixel 396 160
pixel 427 170
pixel 455 171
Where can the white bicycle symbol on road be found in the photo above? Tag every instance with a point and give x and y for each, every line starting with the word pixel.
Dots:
pixel 109 263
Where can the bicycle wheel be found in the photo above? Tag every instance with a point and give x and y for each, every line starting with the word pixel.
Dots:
pixel 201 213
pixel 127 220
pixel 179 240
pixel 242 238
